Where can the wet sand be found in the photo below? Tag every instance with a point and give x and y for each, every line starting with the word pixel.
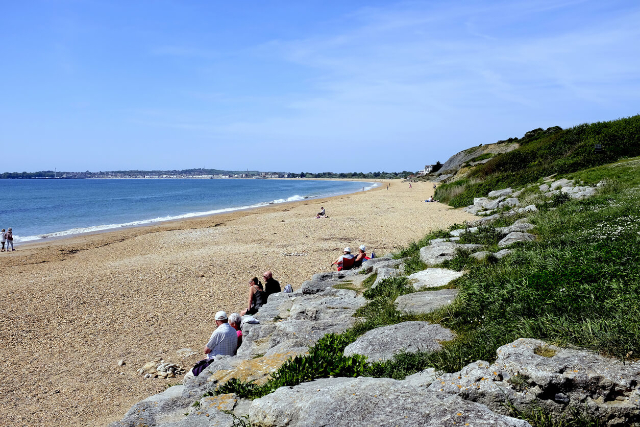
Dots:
pixel 72 308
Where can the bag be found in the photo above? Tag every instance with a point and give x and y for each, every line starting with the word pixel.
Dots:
pixel 201 366
pixel 288 289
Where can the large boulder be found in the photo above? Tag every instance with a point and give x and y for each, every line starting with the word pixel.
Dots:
pixel 385 273
pixel 500 193
pixel 433 278
pixel 321 281
pixel 515 237
pixel 425 302
pixel 383 343
pixel 560 183
pixel 369 402
pixel 437 253
pixel 166 405
pixel 533 374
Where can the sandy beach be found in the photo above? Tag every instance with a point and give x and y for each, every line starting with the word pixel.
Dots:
pixel 72 308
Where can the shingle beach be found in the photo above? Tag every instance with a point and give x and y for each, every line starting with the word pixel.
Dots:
pixel 72 308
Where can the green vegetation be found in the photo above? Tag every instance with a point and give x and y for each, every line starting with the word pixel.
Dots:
pixel 546 152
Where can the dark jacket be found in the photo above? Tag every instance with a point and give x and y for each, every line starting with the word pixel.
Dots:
pixel 271 286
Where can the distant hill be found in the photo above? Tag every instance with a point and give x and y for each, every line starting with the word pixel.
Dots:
pixel 539 153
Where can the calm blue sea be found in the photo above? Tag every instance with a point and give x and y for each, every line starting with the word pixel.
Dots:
pixel 44 208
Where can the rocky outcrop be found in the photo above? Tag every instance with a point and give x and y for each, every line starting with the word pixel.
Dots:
pixel 425 302
pixel 437 253
pixel 369 402
pixel 407 337
pixel 433 278
pixel 531 373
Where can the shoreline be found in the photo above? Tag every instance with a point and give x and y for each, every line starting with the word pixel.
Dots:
pixel 76 306
pixel 65 234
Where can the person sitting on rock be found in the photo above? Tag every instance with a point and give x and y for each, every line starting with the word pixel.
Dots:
pixel 224 340
pixel 236 322
pixel 340 261
pixel 256 297
pixel 362 256
pixel 271 285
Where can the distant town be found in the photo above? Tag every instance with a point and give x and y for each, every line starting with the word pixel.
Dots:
pixel 211 174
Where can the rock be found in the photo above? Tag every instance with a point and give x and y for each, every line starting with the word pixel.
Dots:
pixel 517 226
pixel 515 237
pixel 509 203
pixel 425 302
pixel 460 231
pixel 421 379
pixel 474 210
pixel 433 278
pixel 320 282
pixel 369 402
pixel 387 264
pixel 492 204
pixel 368 265
pixel 544 188
pixel 480 256
pixel 533 374
pixel 385 273
pixel 331 304
pixel 439 252
pixel 383 343
pixel 166 405
pixel 479 201
pixel 500 193
pixel 527 209
pixel 560 183
pixel 121 362
pixel 502 253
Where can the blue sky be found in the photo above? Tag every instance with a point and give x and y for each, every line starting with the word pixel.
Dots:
pixel 302 86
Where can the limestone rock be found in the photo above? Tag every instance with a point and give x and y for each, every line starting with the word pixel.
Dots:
pixel 515 237
pixel 480 256
pixel 385 273
pixel 510 202
pixel 425 302
pixel 369 402
pixel 530 373
pixel 544 188
pixel 560 183
pixel 437 253
pixel 503 253
pixel 149 411
pixel 410 337
pixel 501 193
pixel 492 204
pixel 433 278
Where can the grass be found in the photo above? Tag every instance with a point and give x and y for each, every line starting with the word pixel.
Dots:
pixel 544 153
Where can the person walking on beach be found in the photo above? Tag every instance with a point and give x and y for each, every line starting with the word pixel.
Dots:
pixel 3 237
pixel 9 236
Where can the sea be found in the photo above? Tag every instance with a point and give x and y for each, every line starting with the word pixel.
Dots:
pixel 39 209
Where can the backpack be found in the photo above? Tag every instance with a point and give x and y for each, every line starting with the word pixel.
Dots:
pixel 201 366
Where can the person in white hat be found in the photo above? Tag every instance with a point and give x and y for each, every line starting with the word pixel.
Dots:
pixel 362 255
pixel 346 255
pixel 224 340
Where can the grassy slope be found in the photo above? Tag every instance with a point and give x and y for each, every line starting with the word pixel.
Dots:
pixel 544 153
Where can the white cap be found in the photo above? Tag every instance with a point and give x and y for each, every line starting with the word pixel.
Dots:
pixel 363 248
pixel 221 315
pixel 347 249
